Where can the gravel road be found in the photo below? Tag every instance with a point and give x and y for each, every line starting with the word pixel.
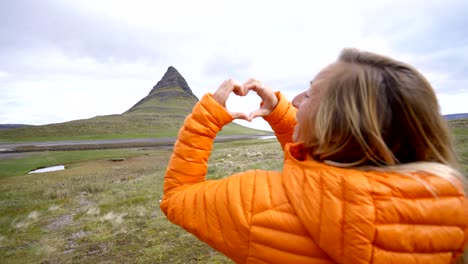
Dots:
pixel 12 148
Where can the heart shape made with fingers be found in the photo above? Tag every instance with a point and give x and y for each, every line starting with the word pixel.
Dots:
pixel 252 86
pixel 246 104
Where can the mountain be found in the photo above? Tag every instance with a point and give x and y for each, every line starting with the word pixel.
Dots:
pixel 170 95
pixel 159 114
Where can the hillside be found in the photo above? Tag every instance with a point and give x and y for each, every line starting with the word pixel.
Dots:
pixel 159 114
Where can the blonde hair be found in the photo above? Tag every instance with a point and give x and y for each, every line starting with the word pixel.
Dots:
pixel 383 113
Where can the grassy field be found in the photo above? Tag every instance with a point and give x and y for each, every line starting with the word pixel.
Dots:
pixel 111 127
pixel 104 208
pixel 461 144
pixel 103 211
pixel 29 161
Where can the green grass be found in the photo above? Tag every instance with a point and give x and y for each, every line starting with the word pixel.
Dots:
pixel 99 211
pixel 460 131
pixel 30 161
pixel 113 127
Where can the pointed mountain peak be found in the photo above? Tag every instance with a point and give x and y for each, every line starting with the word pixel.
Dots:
pixel 172 78
pixel 170 93
pixel 172 69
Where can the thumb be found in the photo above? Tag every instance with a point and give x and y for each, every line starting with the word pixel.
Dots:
pixel 258 112
pixel 239 115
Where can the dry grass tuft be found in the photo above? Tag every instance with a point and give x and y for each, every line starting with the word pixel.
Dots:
pixel 33 215
pixel 54 207
pixel 113 218
pixel 93 211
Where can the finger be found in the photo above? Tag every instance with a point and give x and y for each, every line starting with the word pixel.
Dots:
pixel 249 81
pixel 239 115
pixel 265 93
pixel 259 112
pixel 229 85
pixel 257 87
pixel 240 90
pixel 253 82
pixel 235 83
pixel 222 93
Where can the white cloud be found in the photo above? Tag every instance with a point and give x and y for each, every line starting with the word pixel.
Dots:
pixel 453 103
pixel 4 75
pixel 88 58
pixel 67 98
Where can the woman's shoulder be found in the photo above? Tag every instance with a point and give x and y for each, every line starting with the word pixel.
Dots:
pixel 395 194
pixel 426 211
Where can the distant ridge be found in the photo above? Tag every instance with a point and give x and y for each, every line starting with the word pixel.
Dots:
pixel 8 126
pixel 456 116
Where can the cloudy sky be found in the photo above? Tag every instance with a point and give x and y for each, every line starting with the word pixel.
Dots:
pixel 63 60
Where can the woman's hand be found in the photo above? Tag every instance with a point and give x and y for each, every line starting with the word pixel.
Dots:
pixel 269 99
pixel 222 94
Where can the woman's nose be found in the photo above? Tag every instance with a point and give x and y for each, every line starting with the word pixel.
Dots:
pixel 298 100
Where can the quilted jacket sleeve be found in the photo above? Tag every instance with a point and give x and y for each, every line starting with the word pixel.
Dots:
pixel 282 120
pixel 217 212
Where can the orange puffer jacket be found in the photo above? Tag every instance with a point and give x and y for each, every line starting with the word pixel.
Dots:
pixel 311 212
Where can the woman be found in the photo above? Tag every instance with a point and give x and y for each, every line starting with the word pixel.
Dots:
pixel 369 176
